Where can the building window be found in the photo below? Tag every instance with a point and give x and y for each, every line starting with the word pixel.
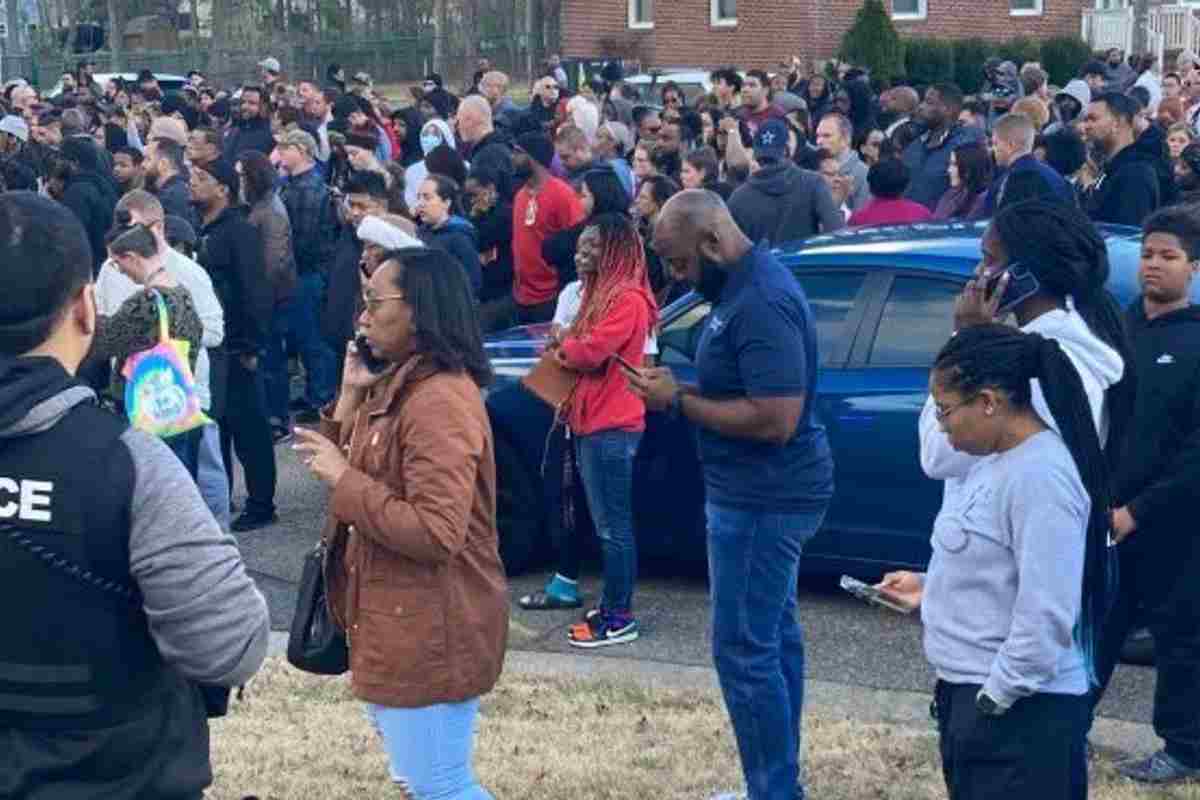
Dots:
pixel 1025 8
pixel 641 13
pixel 908 9
pixel 724 12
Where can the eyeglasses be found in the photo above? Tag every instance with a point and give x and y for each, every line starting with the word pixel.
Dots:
pixel 941 415
pixel 371 304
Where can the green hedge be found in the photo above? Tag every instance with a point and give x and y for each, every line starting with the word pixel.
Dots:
pixel 1062 57
pixel 929 60
pixel 873 42
pixel 969 55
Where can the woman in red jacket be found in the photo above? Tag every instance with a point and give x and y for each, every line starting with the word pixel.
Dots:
pixel 606 418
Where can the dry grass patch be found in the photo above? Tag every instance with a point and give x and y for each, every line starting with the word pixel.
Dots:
pixel 300 736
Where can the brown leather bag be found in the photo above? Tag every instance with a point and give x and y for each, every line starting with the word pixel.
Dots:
pixel 551 382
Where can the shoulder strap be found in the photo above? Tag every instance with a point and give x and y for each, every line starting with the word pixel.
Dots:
pixel 164 318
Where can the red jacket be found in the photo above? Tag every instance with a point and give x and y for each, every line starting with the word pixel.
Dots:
pixel 558 208
pixel 602 399
pixel 897 211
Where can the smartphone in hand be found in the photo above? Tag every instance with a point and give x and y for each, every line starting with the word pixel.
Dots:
pixel 867 592
pixel 363 351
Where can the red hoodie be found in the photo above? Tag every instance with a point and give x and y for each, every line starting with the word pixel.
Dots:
pixel 602 399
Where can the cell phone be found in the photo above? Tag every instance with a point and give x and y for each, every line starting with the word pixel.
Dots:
pixel 1022 284
pixel 363 349
pixel 867 592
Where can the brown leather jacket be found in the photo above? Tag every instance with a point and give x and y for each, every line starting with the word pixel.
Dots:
pixel 414 572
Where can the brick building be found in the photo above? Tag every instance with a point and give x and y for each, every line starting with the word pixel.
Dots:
pixel 766 33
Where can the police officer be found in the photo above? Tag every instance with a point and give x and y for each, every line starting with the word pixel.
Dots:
pixel 123 594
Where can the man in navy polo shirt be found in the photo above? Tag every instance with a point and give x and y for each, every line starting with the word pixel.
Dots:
pixel 768 472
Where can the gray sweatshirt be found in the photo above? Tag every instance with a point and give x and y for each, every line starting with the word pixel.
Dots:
pixel 205 614
pixel 1003 590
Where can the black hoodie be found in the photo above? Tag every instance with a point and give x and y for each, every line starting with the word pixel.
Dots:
pixel 1159 473
pixel 1128 189
pixel 783 203
pixel 93 199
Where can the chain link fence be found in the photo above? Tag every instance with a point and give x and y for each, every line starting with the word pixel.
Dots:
pixel 395 59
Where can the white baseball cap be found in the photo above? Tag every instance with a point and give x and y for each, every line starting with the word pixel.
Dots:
pixel 270 65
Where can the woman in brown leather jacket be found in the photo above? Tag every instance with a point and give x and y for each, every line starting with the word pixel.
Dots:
pixel 414 573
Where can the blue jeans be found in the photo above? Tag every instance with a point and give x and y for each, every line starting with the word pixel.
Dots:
pixel 211 478
pixel 303 324
pixel 275 366
pixel 758 644
pixel 606 466
pixel 430 748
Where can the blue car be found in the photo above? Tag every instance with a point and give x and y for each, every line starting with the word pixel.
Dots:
pixel 882 300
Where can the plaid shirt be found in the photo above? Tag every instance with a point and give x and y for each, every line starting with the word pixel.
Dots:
pixel 313 219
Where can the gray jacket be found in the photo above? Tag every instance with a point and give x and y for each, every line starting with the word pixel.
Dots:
pixel 851 166
pixel 783 203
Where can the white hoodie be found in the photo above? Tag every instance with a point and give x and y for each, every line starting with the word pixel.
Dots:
pixel 418 172
pixel 1099 367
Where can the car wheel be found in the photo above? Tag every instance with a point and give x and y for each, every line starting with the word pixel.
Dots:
pixel 518 510
pixel 1139 648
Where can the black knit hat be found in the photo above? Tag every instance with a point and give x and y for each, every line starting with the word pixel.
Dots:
pixel 538 146
pixel 362 140
pixel 224 174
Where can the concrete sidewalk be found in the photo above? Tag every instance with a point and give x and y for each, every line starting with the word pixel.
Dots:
pixel 1115 739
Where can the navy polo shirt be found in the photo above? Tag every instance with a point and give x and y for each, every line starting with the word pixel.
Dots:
pixel 759 341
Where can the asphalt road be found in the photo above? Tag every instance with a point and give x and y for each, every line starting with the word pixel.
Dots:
pixel 847 641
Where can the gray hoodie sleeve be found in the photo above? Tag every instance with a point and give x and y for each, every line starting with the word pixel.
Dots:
pixel 205 613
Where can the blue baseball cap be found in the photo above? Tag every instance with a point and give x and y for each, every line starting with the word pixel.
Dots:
pixel 770 141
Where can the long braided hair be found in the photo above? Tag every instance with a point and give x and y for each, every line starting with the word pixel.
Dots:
pixel 1062 247
pixel 1004 358
pixel 621 267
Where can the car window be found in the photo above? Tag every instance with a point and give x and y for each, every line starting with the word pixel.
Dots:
pixel 677 341
pixel 830 298
pixel 917 320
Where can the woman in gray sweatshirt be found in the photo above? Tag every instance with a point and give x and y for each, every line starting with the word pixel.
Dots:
pixel 1018 584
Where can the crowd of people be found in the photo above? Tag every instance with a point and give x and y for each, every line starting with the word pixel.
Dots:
pixel 378 243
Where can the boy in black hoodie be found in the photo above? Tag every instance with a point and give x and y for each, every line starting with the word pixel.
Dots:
pixel 1157 478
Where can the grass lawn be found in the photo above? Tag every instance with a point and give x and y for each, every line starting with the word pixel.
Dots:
pixel 301 736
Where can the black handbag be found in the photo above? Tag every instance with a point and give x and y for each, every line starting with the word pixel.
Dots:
pixel 216 698
pixel 316 643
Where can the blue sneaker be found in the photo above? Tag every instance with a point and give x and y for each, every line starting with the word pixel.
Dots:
pixel 601 629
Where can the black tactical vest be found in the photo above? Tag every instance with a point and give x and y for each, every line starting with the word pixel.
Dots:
pixel 73 656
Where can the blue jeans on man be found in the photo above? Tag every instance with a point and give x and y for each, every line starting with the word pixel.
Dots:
pixel 757 640
pixel 303 324
pixel 606 466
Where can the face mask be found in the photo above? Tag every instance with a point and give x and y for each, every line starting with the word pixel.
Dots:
pixel 429 141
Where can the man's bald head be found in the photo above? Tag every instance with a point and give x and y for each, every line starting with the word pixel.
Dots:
pixel 695 227
pixel 474 118
pixel 695 210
